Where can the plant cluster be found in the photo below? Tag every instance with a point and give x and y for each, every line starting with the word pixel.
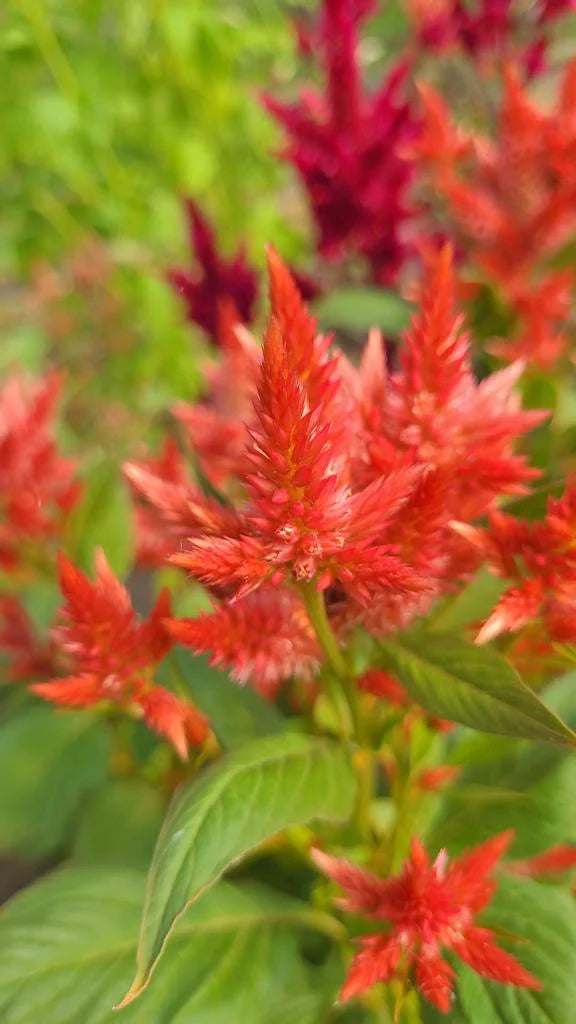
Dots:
pixel 325 630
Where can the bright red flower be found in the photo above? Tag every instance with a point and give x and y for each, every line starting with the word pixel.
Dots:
pixel 169 507
pixel 346 147
pixel 113 656
pixel 540 560
pixel 302 522
pixel 37 485
pixel 487 28
pixel 428 907
pixel 215 279
pixel 262 639
pixel 512 201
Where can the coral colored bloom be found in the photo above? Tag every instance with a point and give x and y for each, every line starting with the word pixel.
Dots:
pixel 346 146
pixel 262 639
pixel 169 506
pixel 301 522
pixel 37 485
pixel 512 203
pixel 428 907
pixel 540 560
pixel 113 656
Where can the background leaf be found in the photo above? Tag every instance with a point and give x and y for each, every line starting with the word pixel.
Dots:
pixel 521 786
pixel 237 713
pixel 359 309
pixel 119 825
pixel 68 946
pixel 49 763
pixel 471 684
pixel 246 797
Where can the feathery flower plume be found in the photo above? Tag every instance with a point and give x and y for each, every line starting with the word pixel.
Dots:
pixel 263 639
pixel 302 522
pixel 113 656
pixel 540 560
pixel 428 907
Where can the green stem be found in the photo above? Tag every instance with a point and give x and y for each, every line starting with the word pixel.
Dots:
pixel 316 608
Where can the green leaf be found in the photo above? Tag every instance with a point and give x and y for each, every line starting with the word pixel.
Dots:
pixel 237 713
pixel 471 604
pixel 68 945
pixel 470 684
pixel 119 825
pixel 362 308
pixel 544 917
pixel 512 785
pixel 103 518
pixel 248 796
pixel 50 761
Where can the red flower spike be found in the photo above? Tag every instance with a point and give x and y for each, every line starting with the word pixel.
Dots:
pixel 215 279
pixel 513 200
pixel 346 144
pixel 540 560
pixel 487 29
pixel 302 521
pixel 37 485
pixel 113 656
pixel 428 907
pixel 262 639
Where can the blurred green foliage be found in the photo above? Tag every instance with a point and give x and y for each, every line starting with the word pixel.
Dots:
pixel 109 113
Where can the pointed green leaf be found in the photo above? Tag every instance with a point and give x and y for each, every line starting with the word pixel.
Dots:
pixel 68 946
pixel 470 684
pixel 248 796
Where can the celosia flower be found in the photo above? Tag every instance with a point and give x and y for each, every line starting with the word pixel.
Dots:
pixel 428 908
pixel 346 147
pixel 26 655
pixel 113 656
pixel 540 559
pixel 37 485
pixel 302 522
pixel 263 639
pixel 512 201
pixel 169 506
pixel 433 413
pixel 488 27
pixel 350 478
pixel 215 279
pixel 219 288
